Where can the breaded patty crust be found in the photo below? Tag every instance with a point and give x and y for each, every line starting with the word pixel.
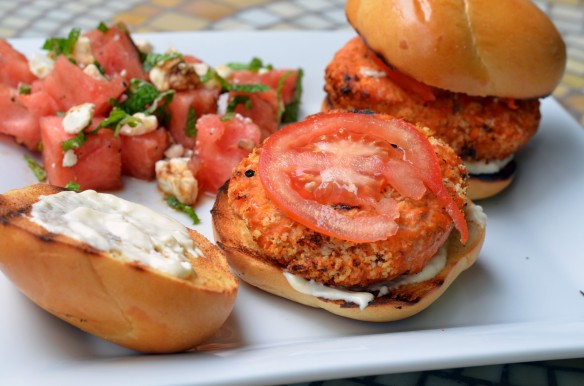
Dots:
pixel 477 128
pixel 424 225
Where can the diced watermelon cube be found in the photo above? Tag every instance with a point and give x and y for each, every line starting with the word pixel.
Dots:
pixel 202 100
pixel 16 120
pixel 140 153
pixel 14 66
pixel 115 51
pixel 69 86
pixel 99 161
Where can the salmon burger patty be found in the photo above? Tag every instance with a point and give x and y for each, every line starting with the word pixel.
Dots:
pixel 423 224
pixel 477 128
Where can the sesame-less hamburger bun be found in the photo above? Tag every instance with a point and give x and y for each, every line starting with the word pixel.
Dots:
pixel 161 301
pixel 506 48
pixel 360 214
pixel 473 72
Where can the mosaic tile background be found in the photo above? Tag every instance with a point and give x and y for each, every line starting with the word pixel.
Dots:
pixel 41 18
pixel 27 18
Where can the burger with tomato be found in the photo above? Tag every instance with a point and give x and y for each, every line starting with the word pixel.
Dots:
pixel 472 71
pixel 362 214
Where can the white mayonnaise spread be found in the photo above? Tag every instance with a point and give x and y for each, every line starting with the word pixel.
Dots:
pixel 487 167
pixel 310 287
pixel 474 213
pixel 371 73
pixel 130 232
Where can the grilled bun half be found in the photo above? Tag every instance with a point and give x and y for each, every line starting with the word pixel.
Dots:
pixel 401 302
pixel 107 292
pixel 477 47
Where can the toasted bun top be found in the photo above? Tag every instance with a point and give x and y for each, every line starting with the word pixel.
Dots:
pixel 478 47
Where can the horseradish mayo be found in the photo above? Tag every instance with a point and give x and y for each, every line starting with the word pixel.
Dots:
pixel 130 232
pixel 474 213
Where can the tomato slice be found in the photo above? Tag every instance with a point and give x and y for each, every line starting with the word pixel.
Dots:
pixel 406 82
pixel 329 173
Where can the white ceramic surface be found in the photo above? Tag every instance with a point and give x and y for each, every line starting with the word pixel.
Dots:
pixel 522 301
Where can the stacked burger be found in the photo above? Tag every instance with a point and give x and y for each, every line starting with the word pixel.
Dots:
pixel 472 71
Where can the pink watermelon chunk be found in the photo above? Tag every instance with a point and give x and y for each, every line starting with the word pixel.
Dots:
pixel 203 101
pixel 140 153
pixel 69 86
pixel 16 120
pixel 116 52
pixel 220 146
pixel 99 161
pixel 13 66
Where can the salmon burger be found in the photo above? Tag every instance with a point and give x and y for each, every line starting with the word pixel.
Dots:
pixel 364 215
pixel 457 67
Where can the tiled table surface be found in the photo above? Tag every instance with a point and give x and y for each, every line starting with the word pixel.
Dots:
pixel 42 18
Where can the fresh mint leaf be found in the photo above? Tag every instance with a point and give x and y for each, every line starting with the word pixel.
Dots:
pixel 191 125
pixel 174 203
pixel 153 59
pixel 37 169
pixel 75 142
pixel 62 46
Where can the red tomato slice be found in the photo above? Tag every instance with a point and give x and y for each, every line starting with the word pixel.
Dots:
pixel 311 168
pixel 406 82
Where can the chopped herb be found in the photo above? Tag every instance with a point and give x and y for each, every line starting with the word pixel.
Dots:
pixel 40 147
pixel 191 126
pixel 116 120
pixel 24 88
pixel 257 87
pixel 279 88
pixel 102 27
pixel 154 59
pixel 155 108
pixel 140 95
pixel 36 168
pixel 144 97
pixel 74 142
pixel 236 100
pixel 62 46
pixel 254 65
pixel 73 186
pixel 174 203
pixel 226 86
pixel 292 109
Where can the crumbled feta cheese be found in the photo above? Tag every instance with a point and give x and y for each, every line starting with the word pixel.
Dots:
pixel 222 103
pixel 147 124
pixel 82 51
pixel 69 158
pixel 174 151
pixel 224 71
pixel 144 46
pixel 93 71
pixel 160 78
pixel 200 68
pixel 78 118
pixel 41 65
pixel 371 73
pixel 176 179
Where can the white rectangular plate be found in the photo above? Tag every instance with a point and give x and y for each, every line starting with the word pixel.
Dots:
pixel 522 301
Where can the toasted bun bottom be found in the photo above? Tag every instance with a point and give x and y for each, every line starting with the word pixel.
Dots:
pixel 246 260
pixel 121 302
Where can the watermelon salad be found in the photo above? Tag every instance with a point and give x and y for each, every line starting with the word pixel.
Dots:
pixel 99 105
